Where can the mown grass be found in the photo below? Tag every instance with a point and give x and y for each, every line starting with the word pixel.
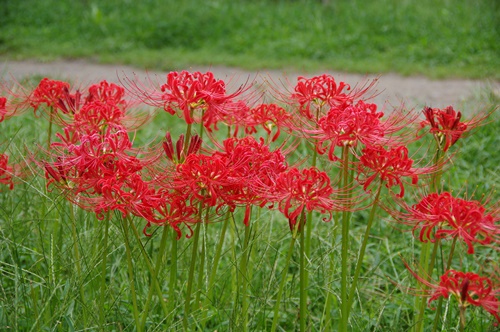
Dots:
pixel 437 39
pixel 41 287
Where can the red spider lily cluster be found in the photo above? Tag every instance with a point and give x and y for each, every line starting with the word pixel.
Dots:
pixel 441 216
pixel 468 288
pixel 94 162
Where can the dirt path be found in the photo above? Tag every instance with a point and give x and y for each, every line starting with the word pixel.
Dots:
pixel 414 91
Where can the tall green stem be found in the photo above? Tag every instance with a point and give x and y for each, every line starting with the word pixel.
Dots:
pixel 420 320
pixel 344 310
pixel 104 251
pixel 194 255
pixel 282 285
pixel 149 265
pixel 159 259
pixel 244 279
pixel 130 266
pixel 303 275
pixel 363 248
pixel 440 301
pixel 76 252
pixel 172 282
pixel 424 264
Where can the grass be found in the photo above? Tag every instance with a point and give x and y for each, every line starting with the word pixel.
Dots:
pixel 436 39
pixel 42 288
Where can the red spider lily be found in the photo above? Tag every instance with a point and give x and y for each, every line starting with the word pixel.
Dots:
pixel 389 166
pixel 252 169
pixel 308 189
pixel 320 91
pixel 96 116
pixel 198 97
pixel 107 93
pixel 49 92
pixel 267 116
pixel 468 288
pixel 6 171
pixel 355 124
pixel 83 164
pixel 173 211
pixel 440 216
pixel 202 179
pixel 446 126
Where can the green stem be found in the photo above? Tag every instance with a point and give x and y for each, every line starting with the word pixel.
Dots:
pixel 326 320
pixel 424 267
pixel 440 301
pixel 172 282
pixel 201 267
pixel 420 320
pixel 215 264
pixel 130 266
pixel 49 134
pixel 194 254
pixel 282 285
pixel 462 318
pixel 244 279
pixel 345 249
pixel 303 275
pixel 77 259
pixel 159 260
pixel 149 265
pixel 362 250
pixel 104 250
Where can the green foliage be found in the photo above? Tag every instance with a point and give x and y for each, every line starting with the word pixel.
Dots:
pixel 447 38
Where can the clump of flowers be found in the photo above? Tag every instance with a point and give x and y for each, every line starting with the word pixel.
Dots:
pixel 440 216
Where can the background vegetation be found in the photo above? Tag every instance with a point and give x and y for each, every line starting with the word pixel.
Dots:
pixel 458 38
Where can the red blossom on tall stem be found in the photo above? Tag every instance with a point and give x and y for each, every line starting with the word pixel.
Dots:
pixel 439 216
pixel 298 190
pixel 446 126
pixel 467 288
pixel 196 97
pixel 390 166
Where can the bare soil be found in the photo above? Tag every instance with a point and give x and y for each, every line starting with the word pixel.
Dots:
pixel 393 89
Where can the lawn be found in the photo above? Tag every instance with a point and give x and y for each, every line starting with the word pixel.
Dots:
pixel 436 39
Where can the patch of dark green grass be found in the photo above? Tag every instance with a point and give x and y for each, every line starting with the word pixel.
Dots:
pixel 438 39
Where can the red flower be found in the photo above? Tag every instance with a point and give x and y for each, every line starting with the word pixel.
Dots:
pixel 355 124
pixel 202 179
pixel 446 126
pixel 252 171
pixel 296 191
pixel 388 165
pixel 199 98
pixel 49 92
pixel 105 92
pixel 267 116
pixel 468 288
pixel 442 216
pixel 5 171
pixel 173 211
pixel 320 91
